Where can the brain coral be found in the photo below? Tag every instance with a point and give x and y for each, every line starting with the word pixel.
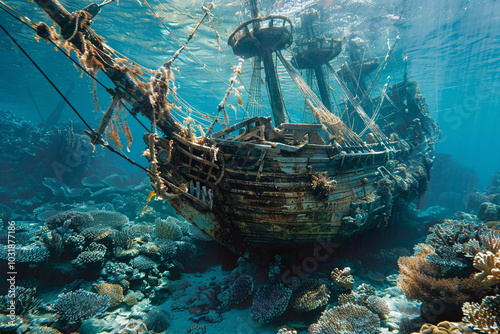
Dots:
pixel 76 306
pixel 444 327
pixel 311 295
pixel 348 318
pixel 270 302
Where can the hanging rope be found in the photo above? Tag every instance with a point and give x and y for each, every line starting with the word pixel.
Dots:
pixel 90 132
pixel 33 26
pixel 46 77
pixel 199 62
pixel 321 113
pixel 379 71
pixel 379 135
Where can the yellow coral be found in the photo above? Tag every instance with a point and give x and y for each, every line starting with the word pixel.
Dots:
pixel 480 317
pixel 311 295
pixel 489 265
pixel 131 299
pixel 343 278
pixel 114 291
pixel 443 327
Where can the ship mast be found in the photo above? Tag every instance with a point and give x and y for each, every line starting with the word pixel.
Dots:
pixel 71 26
pixel 314 52
pixel 262 41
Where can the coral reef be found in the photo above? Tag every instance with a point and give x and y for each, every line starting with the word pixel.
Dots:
pixel 483 316
pixel 237 292
pixel 168 229
pixel 94 253
pixel 113 291
pixel 489 212
pixel 444 327
pixel 311 294
pixel 424 281
pixel 442 270
pixel 347 318
pixel 196 329
pixel 269 302
pixel 70 219
pixel 342 278
pixel 33 253
pixel 109 218
pixel 74 307
pixel 143 262
pixel 157 320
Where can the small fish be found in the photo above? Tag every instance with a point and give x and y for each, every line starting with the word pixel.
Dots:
pixel 151 195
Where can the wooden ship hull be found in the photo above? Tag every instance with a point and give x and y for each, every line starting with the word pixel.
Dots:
pixel 259 197
pixel 256 187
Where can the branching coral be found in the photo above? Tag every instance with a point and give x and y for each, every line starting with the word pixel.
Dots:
pixel 489 266
pixel 168 229
pixel 375 304
pixel 143 262
pixel 73 219
pixel 348 318
pixel 74 307
pixel 238 291
pixel 32 253
pixel 311 294
pixel 480 317
pixel 343 278
pixel 94 253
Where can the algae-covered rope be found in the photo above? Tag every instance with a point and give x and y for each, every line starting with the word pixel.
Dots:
pixel 178 52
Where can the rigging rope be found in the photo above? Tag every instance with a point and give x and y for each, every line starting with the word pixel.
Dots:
pixel 379 71
pixel 33 26
pixel 199 62
pixel 46 77
pixel 321 113
pixel 90 132
pixel 379 135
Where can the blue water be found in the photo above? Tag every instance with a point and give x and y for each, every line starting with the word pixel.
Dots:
pixel 452 49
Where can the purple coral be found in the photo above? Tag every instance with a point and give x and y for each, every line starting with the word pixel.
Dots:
pixel 237 292
pixel 241 288
pixel 270 302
